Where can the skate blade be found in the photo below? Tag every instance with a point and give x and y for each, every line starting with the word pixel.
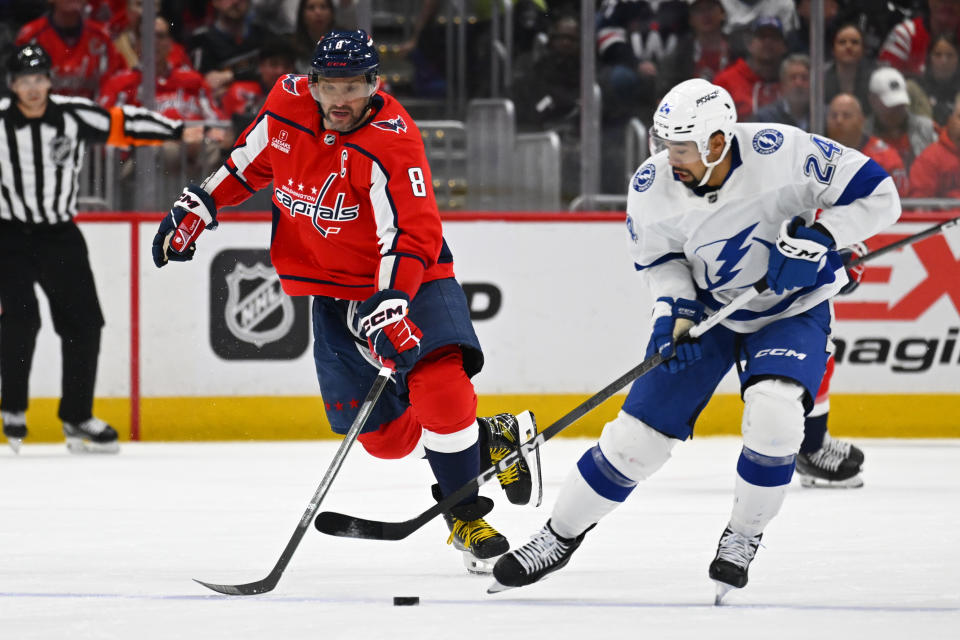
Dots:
pixel 496 587
pixel 15 444
pixel 527 426
pixel 81 446
pixel 478 566
pixel 722 589
pixel 811 482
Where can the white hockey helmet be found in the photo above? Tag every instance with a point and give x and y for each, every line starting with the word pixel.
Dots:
pixel 692 111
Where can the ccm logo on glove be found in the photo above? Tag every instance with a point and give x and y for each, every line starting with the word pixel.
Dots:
pixel 387 312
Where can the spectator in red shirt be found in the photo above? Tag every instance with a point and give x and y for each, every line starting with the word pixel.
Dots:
pixel 127 41
pixel 906 45
pixel 243 98
pixel 754 82
pixel 845 124
pixel 891 121
pixel 81 51
pixel 700 53
pixel 936 171
pixel 182 94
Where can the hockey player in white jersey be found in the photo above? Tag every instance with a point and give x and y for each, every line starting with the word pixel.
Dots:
pixel 721 206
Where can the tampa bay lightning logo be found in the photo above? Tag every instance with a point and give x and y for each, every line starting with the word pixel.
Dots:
pixel 721 257
pixel 766 141
pixel 665 108
pixel 644 178
pixel 397 125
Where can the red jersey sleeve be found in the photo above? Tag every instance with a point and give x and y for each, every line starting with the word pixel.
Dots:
pixel 409 230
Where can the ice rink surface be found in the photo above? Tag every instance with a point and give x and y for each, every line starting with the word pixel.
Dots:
pixel 105 547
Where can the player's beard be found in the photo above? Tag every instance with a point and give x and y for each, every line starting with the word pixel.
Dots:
pixel 687 178
pixel 343 124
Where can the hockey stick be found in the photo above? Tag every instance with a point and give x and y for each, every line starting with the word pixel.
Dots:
pixel 268 583
pixel 893 246
pixel 346 526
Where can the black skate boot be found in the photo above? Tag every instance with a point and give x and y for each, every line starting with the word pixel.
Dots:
pixel 470 533
pixel 729 568
pixel 503 434
pixel 837 464
pixel 14 428
pixel 545 553
pixel 93 435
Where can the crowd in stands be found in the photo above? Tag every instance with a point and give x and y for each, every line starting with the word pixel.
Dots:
pixel 890 83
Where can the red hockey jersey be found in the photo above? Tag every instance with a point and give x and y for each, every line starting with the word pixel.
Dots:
pixel 79 68
pixel 354 212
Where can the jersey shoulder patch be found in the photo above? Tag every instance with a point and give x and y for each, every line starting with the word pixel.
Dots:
pixel 294 84
pixel 395 124
pixel 644 177
pixel 767 141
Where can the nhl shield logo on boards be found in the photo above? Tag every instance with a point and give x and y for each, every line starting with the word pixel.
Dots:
pixel 251 318
pixel 246 313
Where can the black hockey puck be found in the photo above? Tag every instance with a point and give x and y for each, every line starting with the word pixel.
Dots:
pixel 406 601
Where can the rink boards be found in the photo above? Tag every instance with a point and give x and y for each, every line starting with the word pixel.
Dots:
pixel 213 349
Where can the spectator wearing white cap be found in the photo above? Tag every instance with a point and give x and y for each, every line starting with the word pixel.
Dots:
pixel 892 121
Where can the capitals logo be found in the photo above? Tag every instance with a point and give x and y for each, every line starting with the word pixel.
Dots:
pixel 721 257
pixel 299 204
pixel 397 125
pixel 289 84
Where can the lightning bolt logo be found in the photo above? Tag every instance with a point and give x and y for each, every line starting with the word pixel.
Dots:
pixel 732 250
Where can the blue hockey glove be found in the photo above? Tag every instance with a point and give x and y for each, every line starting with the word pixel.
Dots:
pixel 176 237
pixel 672 320
pixel 393 338
pixel 854 273
pixel 795 259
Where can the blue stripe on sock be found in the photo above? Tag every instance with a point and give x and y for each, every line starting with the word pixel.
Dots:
pixel 602 477
pixel 765 471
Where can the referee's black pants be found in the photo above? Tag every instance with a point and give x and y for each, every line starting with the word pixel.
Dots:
pixel 55 257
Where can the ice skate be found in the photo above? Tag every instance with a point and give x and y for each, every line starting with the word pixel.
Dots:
pixel 729 568
pixel 545 553
pixel 837 464
pixel 14 428
pixel 91 436
pixel 503 434
pixel 480 543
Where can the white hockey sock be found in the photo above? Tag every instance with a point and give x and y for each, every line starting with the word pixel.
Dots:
pixel 754 506
pixel 578 506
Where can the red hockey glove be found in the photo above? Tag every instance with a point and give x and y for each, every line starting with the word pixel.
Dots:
pixel 176 237
pixel 855 273
pixel 393 337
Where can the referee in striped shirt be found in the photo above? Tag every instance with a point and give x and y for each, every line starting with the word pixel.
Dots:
pixel 42 141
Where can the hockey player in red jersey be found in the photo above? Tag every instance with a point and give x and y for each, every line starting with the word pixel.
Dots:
pixel 355 224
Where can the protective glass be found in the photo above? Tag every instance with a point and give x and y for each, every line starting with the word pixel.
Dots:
pixel 340 90
pixel 678 152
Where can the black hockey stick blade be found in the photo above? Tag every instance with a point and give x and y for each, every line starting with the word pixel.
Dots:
pixel 268 583
pixel 346 526
pixel 893 246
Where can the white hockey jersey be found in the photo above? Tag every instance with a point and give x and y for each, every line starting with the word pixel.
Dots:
pixel 711 245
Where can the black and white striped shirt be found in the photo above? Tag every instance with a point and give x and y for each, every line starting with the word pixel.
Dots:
pixel 41 158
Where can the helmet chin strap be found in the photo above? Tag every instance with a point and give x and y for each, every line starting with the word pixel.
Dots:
pixel 711 165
